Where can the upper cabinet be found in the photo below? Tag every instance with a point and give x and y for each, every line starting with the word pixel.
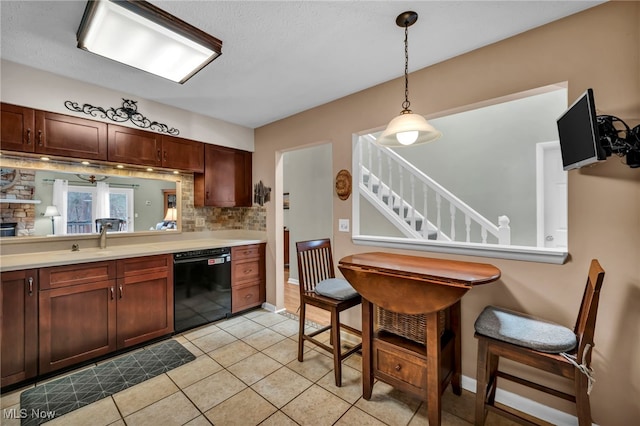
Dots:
pixel 42 132
pixel 133 146
pixel 226 181
pixel 182 154
pixel 18 128
pixel 67 136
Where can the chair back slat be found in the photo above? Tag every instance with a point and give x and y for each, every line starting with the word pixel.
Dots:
pixel 586 321
pixel 315 263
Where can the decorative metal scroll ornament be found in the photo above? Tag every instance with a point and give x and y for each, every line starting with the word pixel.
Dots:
pixel 128 111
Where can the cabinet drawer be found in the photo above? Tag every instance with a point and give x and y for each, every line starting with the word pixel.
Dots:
pixel 245 252
pixel 245 297
pixel 244 271
pixel 144 265
pixel 391 363
pixel 64 276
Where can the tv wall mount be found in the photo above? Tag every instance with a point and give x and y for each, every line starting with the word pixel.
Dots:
pixel 623 142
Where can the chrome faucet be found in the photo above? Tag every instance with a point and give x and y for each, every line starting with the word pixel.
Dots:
pixel 103 235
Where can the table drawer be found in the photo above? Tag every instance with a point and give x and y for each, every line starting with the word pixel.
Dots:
pixel 399 365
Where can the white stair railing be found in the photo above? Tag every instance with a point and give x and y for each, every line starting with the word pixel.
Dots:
pixel 397 195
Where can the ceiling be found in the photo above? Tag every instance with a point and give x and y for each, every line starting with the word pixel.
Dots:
pixel 279 57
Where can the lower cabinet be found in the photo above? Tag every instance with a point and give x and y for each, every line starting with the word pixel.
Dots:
pixel 145 299
pixel 89 310
pixel 18 326
pixel 248 286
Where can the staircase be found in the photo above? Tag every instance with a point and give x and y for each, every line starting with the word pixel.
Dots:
pixel 419 207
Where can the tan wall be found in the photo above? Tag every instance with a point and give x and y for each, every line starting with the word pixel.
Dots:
pixel 597 48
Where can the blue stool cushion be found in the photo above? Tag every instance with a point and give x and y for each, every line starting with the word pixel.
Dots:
pixel 524 330
pixel 336 288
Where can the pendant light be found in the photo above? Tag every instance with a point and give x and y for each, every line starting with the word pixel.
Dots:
pixel 407 128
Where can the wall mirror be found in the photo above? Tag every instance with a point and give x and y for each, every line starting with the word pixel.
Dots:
pixel 57 200
pixel 493 183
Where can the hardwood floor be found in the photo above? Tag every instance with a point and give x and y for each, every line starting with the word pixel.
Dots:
pixel 292 303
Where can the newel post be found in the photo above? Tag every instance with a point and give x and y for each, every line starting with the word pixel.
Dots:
pixel 504 231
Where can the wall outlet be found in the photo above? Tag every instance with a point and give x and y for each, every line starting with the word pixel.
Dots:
pixel 343 225
pixel 199 221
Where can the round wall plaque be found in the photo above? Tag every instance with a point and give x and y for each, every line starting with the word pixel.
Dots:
pixel 343 184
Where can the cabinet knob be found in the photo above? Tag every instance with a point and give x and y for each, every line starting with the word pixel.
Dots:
pixel 398 367
pixel 28 136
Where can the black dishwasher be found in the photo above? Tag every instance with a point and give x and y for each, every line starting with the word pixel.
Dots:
pixel 202 280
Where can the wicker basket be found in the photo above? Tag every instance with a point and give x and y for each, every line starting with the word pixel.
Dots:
pixel 409 326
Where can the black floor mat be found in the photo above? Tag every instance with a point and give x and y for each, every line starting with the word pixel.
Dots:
pixel 59 397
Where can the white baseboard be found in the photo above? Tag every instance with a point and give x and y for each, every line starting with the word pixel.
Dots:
pixel 272 308
pixel 293 281
pixel 526 405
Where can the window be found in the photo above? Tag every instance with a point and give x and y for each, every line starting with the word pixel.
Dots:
pixel 479 190
pixel 84 207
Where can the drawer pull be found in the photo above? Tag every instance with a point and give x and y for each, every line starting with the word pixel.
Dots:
pixel 39 137
pixel 248 271
pixel 111 290
pixel 398 367
pixel 121 291
pixel 28 136
pixel 30 281
pixel 248 296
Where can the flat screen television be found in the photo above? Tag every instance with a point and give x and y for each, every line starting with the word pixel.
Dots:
pixel 578 133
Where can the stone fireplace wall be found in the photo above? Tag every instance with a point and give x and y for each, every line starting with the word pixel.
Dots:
pixel 22 214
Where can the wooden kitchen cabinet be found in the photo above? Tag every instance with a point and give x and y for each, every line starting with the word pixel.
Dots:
pixel 41 132
pixel 145 299
pixel 133 146
pixel 226 181
pixel 182 154
pixel 248 285
pixel 141 147
pixel 18 128
pixel 19 326
pixel 90 310
pixel 77 317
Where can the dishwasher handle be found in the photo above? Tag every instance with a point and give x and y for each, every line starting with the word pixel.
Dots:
pixel 211 260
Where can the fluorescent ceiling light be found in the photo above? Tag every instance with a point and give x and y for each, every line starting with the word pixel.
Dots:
pixel 138 34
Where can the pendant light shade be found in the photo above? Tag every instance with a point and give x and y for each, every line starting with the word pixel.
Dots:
pixel 408 128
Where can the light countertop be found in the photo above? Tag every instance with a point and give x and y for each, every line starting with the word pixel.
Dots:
pixel 190 241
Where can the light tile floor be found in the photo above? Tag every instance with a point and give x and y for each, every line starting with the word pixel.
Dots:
pixel 246 373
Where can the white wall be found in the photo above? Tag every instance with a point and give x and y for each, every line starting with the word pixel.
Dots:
pixel 25 86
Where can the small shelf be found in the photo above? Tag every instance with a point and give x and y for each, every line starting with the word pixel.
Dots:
pixel 15 201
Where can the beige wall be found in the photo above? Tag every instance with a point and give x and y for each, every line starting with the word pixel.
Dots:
pixel 598 48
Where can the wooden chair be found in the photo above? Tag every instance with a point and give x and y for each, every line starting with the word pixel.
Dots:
pixel 116 224
pixel 316 275
pixel 540 344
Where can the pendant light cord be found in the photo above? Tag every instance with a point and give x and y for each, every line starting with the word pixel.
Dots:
pixel 406 104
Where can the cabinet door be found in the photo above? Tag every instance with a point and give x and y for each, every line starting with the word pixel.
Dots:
pixel 77 323
pixel 67 136
pixel 18 128
pixel 182 154
pixel 145 299
pixel 19 326
pixel 132 146
pixel 226 181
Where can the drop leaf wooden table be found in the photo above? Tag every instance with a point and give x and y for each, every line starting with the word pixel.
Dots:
pixel 413 285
